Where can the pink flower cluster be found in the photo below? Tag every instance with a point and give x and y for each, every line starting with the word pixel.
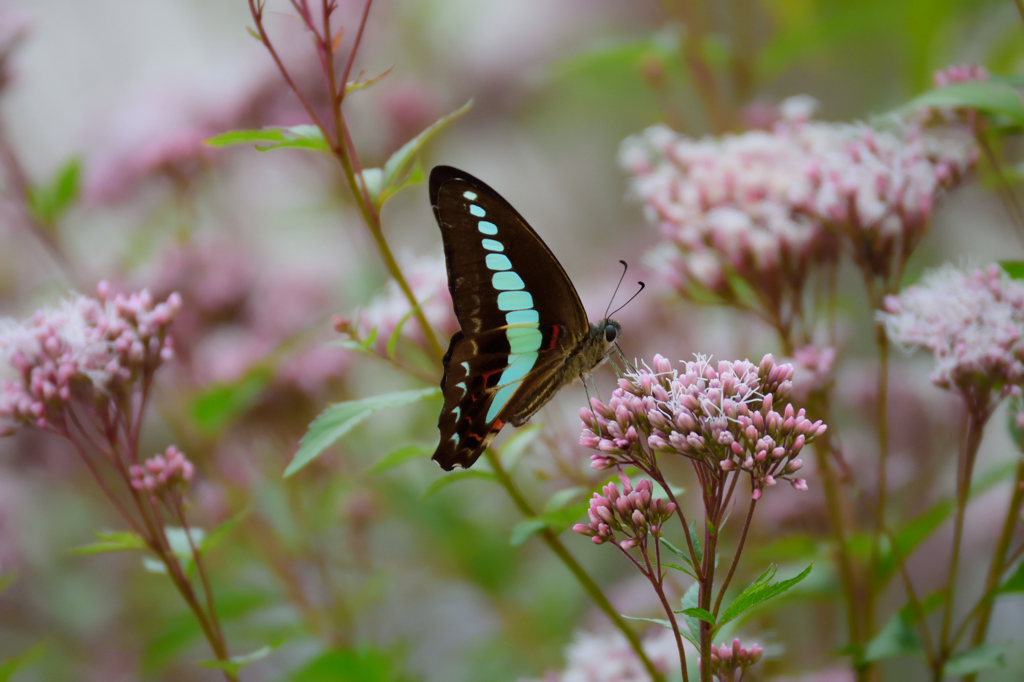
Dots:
pixel 162 472
pixel 631 512
pixel 97 349
pixel 971 321
pixel 723 418
pixel 608 657
pixel 959 73
pixel 730 664
pixel 768 205
pixel 428 279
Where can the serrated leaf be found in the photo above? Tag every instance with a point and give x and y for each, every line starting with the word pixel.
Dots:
pixel 294 137
pixel 684 555
pixel 401 455
pixel 976 659
pixel 700 614
pixel 111 541
pixel 9 666
pixel 516 444
pixel 760 591
pixel 1013 268
pixel 401 162
pixel 455 477
pixel 236 663
pixel 987 97
pixel 340 418
pixel 216 406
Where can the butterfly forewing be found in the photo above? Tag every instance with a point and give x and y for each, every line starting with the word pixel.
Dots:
pixel 520 314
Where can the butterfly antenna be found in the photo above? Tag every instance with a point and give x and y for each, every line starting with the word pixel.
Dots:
pixel 642 286
pixel 625 267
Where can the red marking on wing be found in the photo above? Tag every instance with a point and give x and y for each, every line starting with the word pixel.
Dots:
pixel 497 425
pixel 554 337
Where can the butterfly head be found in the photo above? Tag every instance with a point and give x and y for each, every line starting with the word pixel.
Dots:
pixel 603 336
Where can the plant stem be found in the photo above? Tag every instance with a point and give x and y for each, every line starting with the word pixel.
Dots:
pixel 976 419
pixel 882 426
pixel 550 538
pixel 707 586
pixel 999 559
pixel 736 557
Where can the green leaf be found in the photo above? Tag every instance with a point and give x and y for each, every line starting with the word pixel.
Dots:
pixel 700 614
pixel 1013 268
pixel 657 621
pixel 522 531
pixel 455 477
pixel 689 602
pixel 987 97
pixel 979 658
pixel 401 162
pixel 916 531
pixel 1013 584
pixel 896 639
pixel 557 520
pixel 218 534
pixel 760 591
pixel 6 580
pixel 685 570
pixel 401 455
pixel 9 666
pixel 111 541
pixel 49 202
pixel 397 333
pixel 682 554
pixel 563 497
pixel 295 137
pixel 360 83
pixel 236 663
pixel 350 665
pixel 414 177
pixel 220 404
pixel 517 444
pixel 340 418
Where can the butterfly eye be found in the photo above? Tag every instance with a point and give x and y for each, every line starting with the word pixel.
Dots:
pixel 610 333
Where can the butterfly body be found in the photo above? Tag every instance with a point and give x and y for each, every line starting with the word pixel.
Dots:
pixel 524 333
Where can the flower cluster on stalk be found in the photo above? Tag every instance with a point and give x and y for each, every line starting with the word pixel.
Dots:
pixel 97 350
pixel 972 321
pixel 768 207
pixel 730 663
pixel 171 472
pixel 631 512
pixel 723 418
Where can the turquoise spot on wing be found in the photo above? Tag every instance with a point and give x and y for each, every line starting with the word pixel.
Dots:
pixel 487 228
pixel 525 339
pixel 507 281
pixel 523 317
pixel 466 366
pixel 500 398
pixel 520 366
pixel 477 211
pixel 457 411
pixel 469 195
pixel 455 437
pixel 496 261
pixel 492 245
pixel 514 300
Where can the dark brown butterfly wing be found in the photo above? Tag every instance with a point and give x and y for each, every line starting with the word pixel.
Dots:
pixel 520 314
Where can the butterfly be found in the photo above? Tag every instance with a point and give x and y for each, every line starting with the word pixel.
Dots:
pixel 524 333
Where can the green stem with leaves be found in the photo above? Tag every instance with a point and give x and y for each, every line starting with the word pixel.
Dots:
pixel 551 539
